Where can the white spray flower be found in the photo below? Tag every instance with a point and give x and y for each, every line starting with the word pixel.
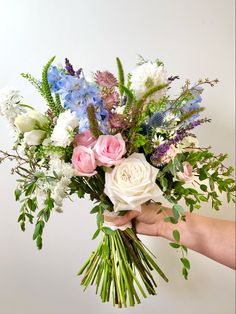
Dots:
pixel 9 104
pixel 62 134
pixel 146 76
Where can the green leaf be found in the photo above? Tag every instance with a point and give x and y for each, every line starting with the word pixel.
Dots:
pixel 95 209
pixel 22 225
pixel 38 229
pixel 185 273
pixel 202 174
pixel 171 220
pixel 80 193
pixel 17 194
pixel 31 204
pixel 174 245
pixel 39 242
pixel 185 262
pixel 203 187
pixel 96 233
pixel 203 198
pixel 30 188
pixel 99 219
pixel 176 235
pixel 179 208
pixel 108 230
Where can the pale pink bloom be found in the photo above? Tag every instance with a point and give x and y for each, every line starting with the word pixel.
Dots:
pixel 83 161
pixel 169 155
pixel 187 175
pixel 109 149
pixel 85 138
pixel 105 79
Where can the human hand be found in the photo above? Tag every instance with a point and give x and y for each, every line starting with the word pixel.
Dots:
pixel 150 221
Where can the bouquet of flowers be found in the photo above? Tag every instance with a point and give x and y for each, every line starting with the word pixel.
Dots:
pixel 124 141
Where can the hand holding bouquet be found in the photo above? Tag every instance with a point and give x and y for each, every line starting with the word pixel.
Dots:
pixel 124 142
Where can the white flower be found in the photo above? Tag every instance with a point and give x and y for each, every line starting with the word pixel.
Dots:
pixel 25 123
pixel 62 134
pixel 64 172
pixel 61 168
pixel 189 143
pixel 157 140
pixel 34 137
pixel 146 76
pixel 9 104
pixel 132 183
pixel 40 119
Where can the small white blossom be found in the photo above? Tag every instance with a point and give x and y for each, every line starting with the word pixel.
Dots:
pixel 157 140
pixel 146 76
pixel 9 104
pixel 62 134
pixel 34 137
pixel 59 187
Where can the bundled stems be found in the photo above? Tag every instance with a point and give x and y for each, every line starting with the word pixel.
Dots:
pixel 114 266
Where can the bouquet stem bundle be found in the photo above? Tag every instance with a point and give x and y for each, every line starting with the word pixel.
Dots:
pixel 114 266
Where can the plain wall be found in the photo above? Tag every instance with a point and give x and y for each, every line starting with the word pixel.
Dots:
pixel 195 39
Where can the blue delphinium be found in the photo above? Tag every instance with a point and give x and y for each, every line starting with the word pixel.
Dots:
pixel 76 94
pixel 194 103
pixel 54 77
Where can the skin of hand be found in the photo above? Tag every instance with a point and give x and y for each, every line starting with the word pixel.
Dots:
pixel 211 237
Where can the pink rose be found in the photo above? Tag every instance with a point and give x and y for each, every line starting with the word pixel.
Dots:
pixel 170 154
pixel 83 161
pixel 85 138
pixel 187 175
pixel 109 149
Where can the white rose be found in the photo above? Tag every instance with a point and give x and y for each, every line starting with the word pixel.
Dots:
pixel 132 183
pixel 25 123
pixel 34 137
pixel 42 120
pixel 62 133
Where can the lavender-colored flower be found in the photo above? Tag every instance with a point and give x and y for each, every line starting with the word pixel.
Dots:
pixel 69 67
pixel 180 135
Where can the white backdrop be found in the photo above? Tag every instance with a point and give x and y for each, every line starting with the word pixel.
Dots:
pixel 195 39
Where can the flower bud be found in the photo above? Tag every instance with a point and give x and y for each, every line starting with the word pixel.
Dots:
pixel 41 120
pixel 24 123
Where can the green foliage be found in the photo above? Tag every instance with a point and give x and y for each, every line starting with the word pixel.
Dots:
pixel 130 98
pixel 55 106
pixel 176 235
pixel 120 74
pixel 93 123
pixel 36 83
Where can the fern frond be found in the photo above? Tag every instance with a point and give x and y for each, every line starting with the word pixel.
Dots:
pixel 36 83
pixel 120 73
pixel 54 105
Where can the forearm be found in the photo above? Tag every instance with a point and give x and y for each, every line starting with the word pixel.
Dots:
pixel 211 237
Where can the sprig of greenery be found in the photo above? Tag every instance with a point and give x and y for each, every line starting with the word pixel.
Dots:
pixel 121 75
pixel 55 106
